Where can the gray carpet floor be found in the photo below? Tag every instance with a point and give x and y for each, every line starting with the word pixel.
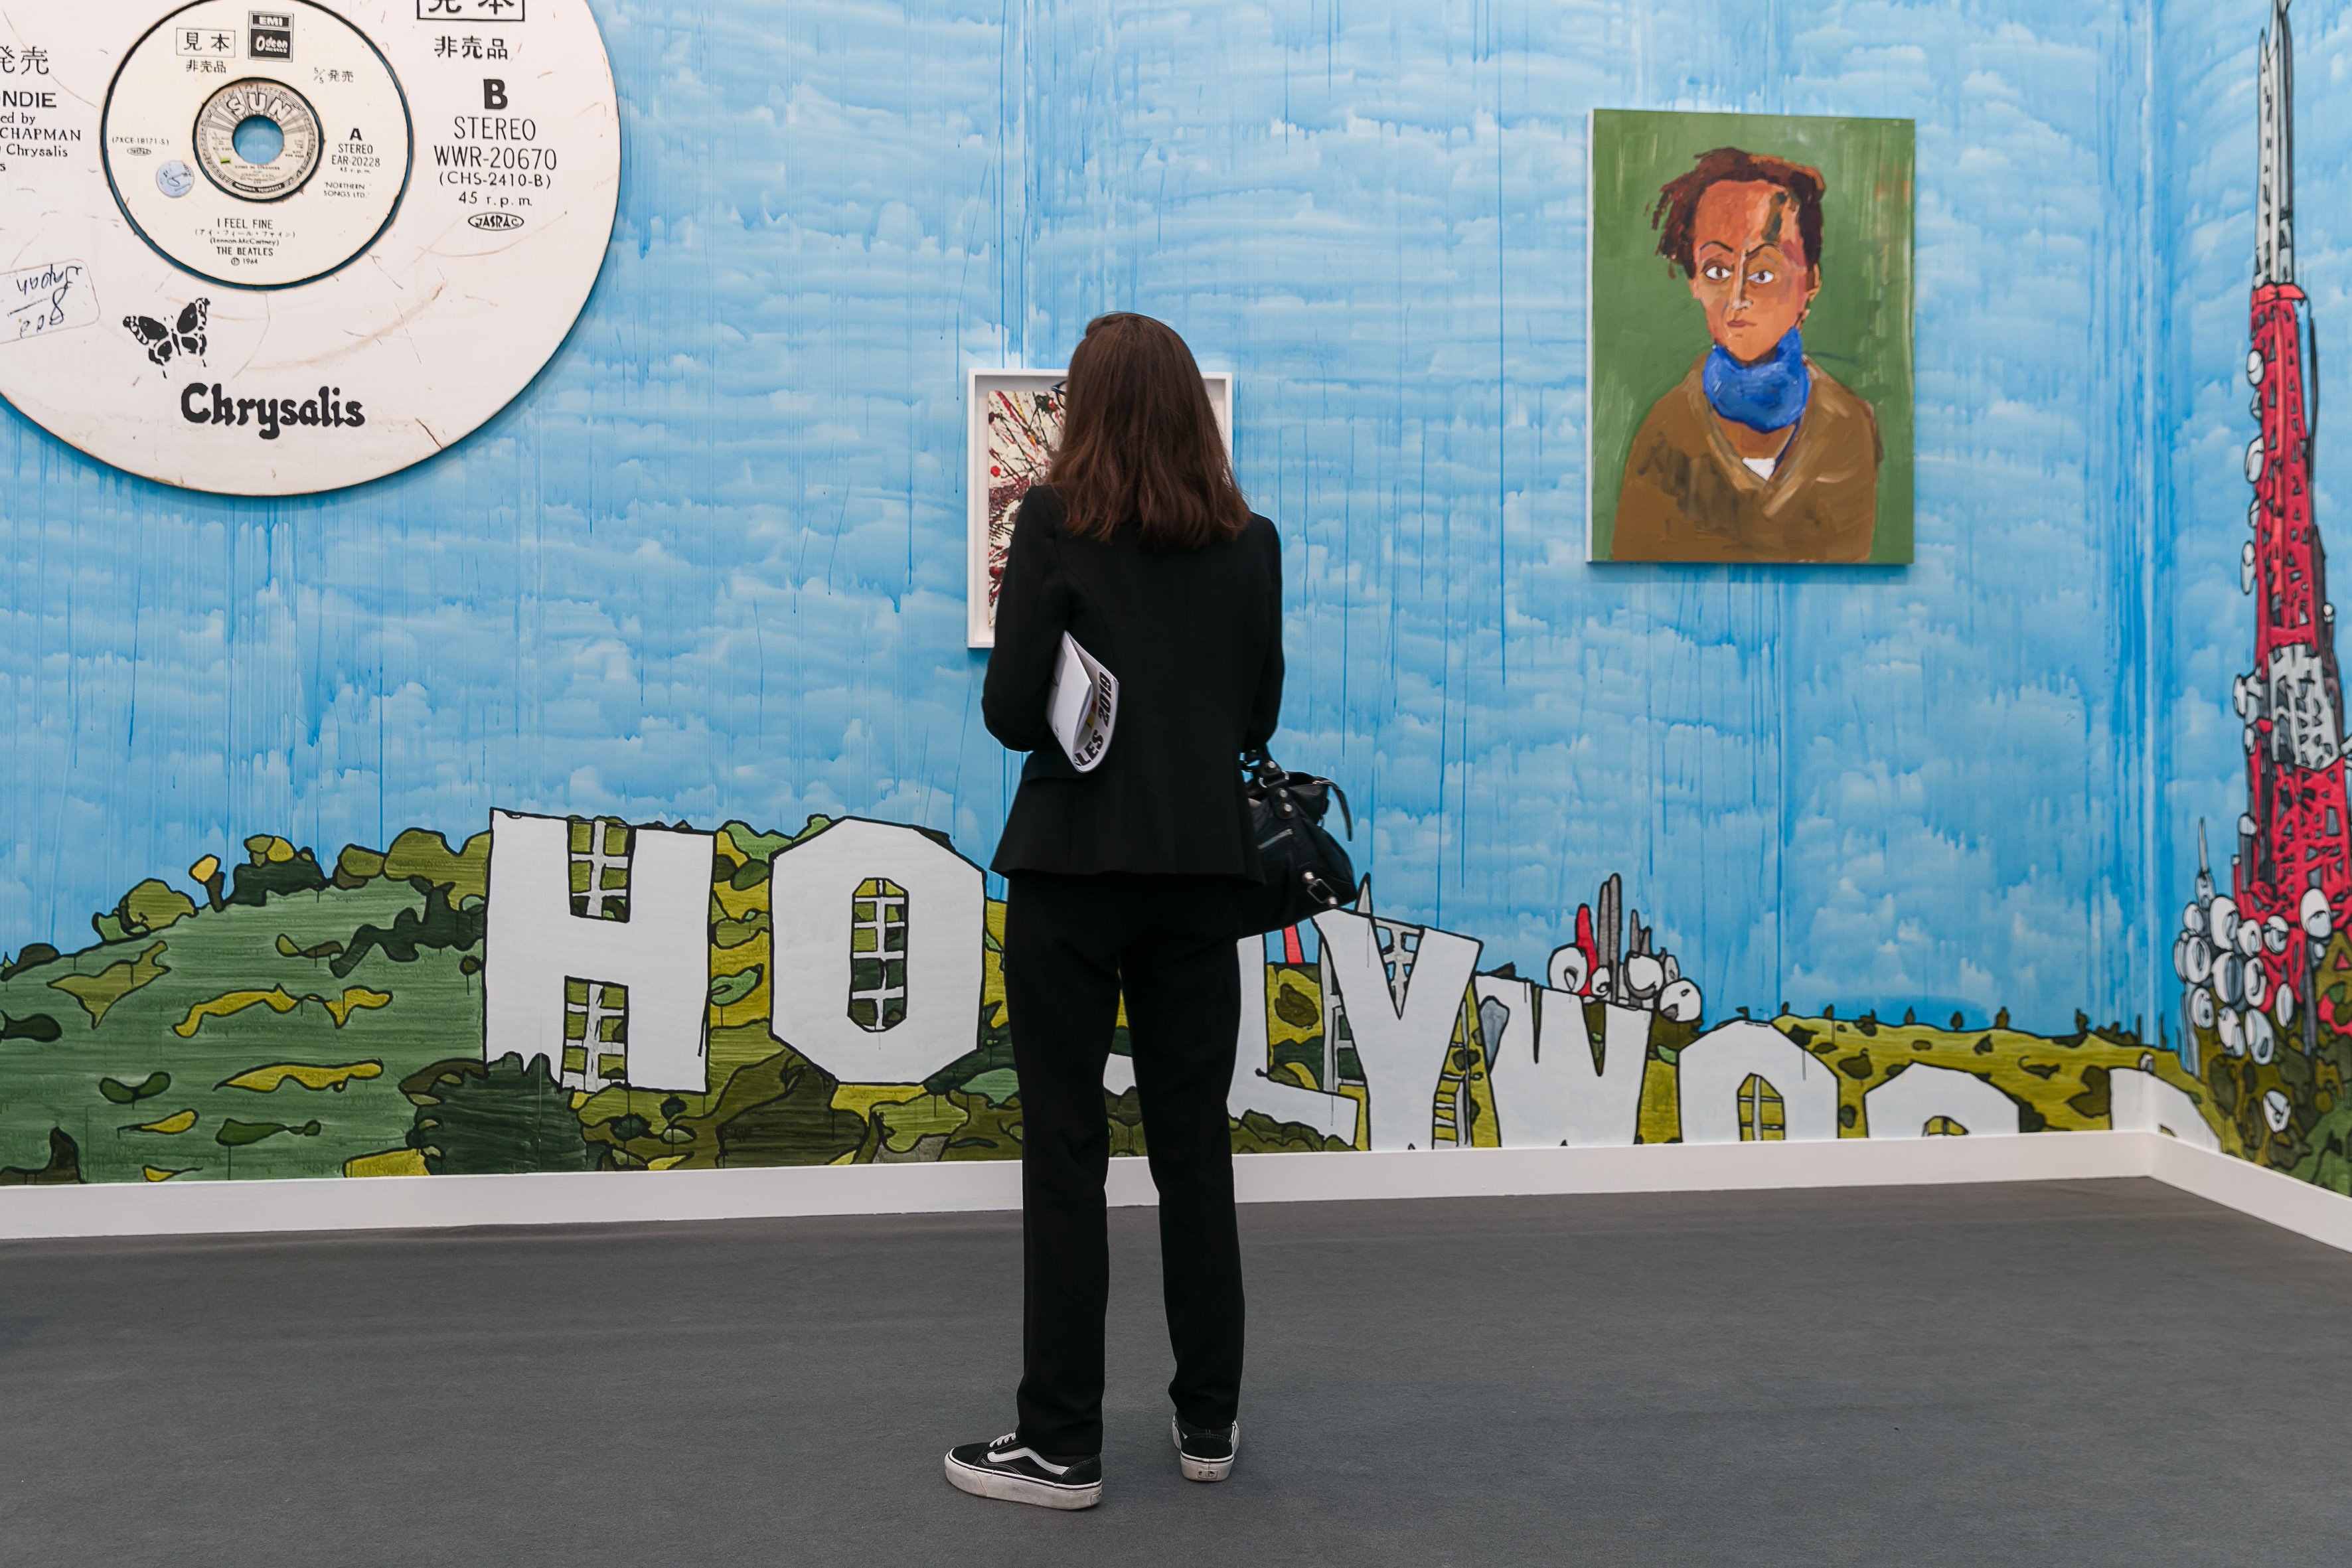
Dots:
pixel 2065 1372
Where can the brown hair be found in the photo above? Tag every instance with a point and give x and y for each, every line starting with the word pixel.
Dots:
pixel 1140 441
pixel 1676 214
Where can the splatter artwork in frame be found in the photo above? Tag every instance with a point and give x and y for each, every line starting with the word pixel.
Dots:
pixel 1014 424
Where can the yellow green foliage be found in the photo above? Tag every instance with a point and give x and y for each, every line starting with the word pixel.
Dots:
pixel 1465 1090
pixel 733 1048
pixel 741 842
pixel 178 1122
pixel 991 956
pixel 277 999
pixel 1661 1118
pixel 777 1110
pixel 99 991
pixel 268 849
pixel 1362 1096
pixel 740 948
pixel 1293 1005
pixel 157 1174
pixel 903 1125
pixel 727 933
pixel 353 998
pixel 391 1162
pixel 270 1079
pixel 421 852
pixel 357 865
pixel 732 989
pixel 861 1098
pixel 991 1131
pixel 2060 1083
pixel 153 905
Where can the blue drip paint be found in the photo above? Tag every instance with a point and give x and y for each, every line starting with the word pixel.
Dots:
pixel 738 490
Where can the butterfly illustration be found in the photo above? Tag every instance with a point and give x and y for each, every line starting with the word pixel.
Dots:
pixel 184 336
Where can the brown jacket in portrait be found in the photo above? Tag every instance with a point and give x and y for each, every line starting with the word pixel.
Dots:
pixel 1687 496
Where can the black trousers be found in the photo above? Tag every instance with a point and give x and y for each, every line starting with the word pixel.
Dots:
pixel 1071 943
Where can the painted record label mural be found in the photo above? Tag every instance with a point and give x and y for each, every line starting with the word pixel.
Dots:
pixel 276 251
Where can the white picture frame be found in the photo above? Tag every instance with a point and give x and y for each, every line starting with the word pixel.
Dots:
pixel 986 524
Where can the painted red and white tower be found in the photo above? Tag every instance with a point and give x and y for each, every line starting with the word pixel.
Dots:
pixel 2248 956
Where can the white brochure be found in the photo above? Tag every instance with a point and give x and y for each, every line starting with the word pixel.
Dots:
pixel 1084 707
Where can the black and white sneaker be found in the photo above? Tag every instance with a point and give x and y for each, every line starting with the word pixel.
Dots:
pixel 1205 1452
pixel 1014 1472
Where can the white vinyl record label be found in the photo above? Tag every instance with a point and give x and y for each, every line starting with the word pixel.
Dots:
pixel 223 117
pixel 276 250
pixel 338 144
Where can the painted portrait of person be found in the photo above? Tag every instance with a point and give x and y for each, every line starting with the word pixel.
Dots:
pixel 1757 454
pixel 1757 451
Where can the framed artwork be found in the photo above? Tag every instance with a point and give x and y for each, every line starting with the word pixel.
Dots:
pixel 1751 297
pixel 1013 424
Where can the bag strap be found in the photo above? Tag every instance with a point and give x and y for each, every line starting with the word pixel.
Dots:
pixel 1269 776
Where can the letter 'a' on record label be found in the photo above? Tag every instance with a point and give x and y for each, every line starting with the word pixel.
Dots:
pixel 281 248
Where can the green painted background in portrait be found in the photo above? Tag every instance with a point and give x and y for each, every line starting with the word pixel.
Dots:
pixel 1647 330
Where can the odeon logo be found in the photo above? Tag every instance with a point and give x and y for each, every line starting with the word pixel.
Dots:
pixel 205 403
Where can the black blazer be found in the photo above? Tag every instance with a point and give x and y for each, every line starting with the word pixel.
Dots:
pixel 1195 639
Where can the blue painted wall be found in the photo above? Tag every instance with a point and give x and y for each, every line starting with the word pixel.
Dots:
pixel 710 564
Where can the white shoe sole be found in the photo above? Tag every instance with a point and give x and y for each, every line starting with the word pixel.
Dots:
pixel 1204 1469
pixel 1007 1487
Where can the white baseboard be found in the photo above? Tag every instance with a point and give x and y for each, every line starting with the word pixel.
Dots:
pixel 390 1202
pixel 1688 1167
pixel 385 1202
pixel 2323 1215
pixel 400 1203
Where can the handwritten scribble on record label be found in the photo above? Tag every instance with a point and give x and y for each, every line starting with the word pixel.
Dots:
pixel 56 297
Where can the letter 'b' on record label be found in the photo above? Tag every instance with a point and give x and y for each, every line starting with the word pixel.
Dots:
pixel 276 250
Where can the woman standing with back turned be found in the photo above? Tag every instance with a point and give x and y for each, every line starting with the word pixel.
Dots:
pixel 1128 878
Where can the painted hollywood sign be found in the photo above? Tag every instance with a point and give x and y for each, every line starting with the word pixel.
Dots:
pixel 580 994
pixel 878 941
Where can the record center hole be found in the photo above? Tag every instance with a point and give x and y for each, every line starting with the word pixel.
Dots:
pixel 258 139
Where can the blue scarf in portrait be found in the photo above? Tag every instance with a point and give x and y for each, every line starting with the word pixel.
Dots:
pixel 1766 396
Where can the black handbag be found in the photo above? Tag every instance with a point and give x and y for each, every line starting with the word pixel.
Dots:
pixel 1307 872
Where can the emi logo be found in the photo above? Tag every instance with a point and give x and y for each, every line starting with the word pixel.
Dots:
pixel 271 36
